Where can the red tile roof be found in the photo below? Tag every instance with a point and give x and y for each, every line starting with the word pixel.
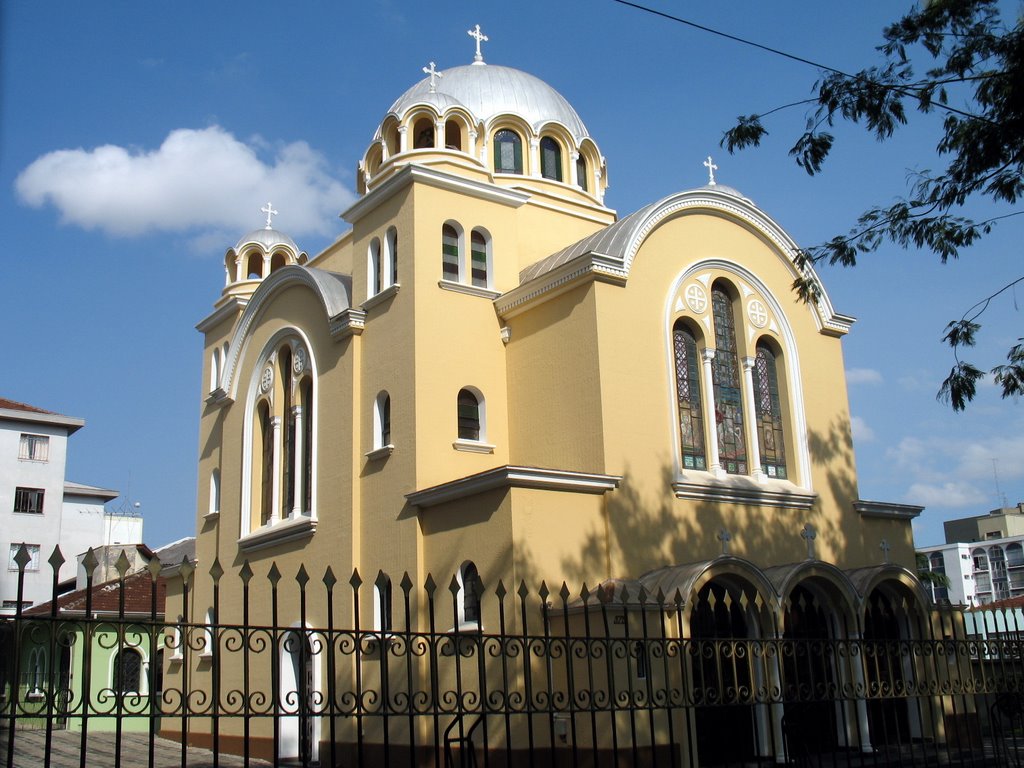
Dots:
pixel 998 605
pixel 14 405
pixel 138 591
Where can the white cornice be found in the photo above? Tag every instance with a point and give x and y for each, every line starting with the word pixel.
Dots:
pixel 729 491
pixel 886 509
pixel 381 296
pixel 68 422
pixel 590 266
pixel 514 477
pixel 434 178
pixel 272 535
pixel 349 322
pixel 228 308
pixel 469 290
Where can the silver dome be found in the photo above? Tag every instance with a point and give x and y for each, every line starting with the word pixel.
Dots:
pixel 487 91
pixel 269 239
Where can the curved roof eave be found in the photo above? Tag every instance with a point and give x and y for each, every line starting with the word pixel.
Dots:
pixel 334 291
pixel 618 243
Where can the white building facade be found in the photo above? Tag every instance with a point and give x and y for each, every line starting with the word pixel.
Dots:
pixel 40 509
pixel 979 572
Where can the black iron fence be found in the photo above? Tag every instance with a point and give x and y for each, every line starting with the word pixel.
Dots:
pixel 464 675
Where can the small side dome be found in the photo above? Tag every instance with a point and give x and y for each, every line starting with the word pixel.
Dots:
pixel 256 255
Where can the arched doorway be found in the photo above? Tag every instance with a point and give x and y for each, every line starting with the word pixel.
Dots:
pixel 298 735
pixel 728 669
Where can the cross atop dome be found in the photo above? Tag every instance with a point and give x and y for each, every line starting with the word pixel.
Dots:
pixel 269 210
pixel 710 165
pixel 479 36
pixel 434 73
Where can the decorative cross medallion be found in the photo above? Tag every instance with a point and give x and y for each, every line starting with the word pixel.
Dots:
pixel 885 546
pixel 433 74
pixel 269 210
pixel 479 36
pixel 757 312
pixel 725 537
pixel 808 534
pixel 709 164
pixel 696 299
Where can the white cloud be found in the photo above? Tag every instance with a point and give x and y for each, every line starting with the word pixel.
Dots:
pixel 948 494
pixel 863 376
pixel 862 433
pixel 197 181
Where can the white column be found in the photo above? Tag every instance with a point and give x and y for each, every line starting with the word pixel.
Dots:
pixel 403 138
pixel 471 147
pixel 275 496
pixel 534 156
pixel 597 185
pixel 714 464
pixel 750 417
pixel 298 463
pixel 383 150
pixel 439 134
pixel 573 178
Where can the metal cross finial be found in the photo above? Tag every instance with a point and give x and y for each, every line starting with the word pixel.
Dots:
pixel 710 165
pixel 269 210
pixel 808 534
pixel 885 546
pixel 479 36
pixel 433 74
pixel 725 537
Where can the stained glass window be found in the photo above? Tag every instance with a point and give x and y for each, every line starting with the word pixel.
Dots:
pixel 478 248
pixel 508 152
pixel 550 159
pixel 449 253
pixel 769 414
pixel 469 416
pixel 728 387
pixel 266 463
pixel 691 417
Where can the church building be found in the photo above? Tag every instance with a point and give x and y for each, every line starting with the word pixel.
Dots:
pixel 493 375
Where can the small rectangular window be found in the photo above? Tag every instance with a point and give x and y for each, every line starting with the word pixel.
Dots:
pixel 33 553
pixel 28 501
pixel 34 448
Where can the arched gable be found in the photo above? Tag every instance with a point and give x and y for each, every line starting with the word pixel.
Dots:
pixel 333 291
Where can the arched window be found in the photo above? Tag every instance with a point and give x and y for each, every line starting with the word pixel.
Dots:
pixel 382 603
pixel 581 172
pixel 306 394
pixel 254 270
pixel 215 492
pixel 478 252
pixel 732 444
pixel 469 594
pixel 449 253
pixel 470 427
pixel 288 415
pixel 231 266
pixel 423 134
pixel 127 673
pixel 215 364
pixel 277 261
pixel 374 276
pixel 691 417
pixel 382 421
pixel 391 246
pixel 550 159
pixel 452 135
pixel 508 152
pixel 769 414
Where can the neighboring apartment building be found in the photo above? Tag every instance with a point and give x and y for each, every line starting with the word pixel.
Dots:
pixel 983 558
pixel 41 509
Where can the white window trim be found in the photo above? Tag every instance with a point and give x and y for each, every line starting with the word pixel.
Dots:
pixel 468 290
pixel 381 297
pixel 472 446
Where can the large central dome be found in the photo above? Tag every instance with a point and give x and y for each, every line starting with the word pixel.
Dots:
pixel 487 91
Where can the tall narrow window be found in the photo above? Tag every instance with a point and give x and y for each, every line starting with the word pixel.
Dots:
pixel 470 578
pixel 452 135
pixel 550 159
pixel 391 242
pixel 691 417
pixel 382 421
pixel 288 414
pixel 307 445
pixel 581 172
pixel 214 492
pixel 769 414
pixel 423 134
pixel 127 671
pixel 469 416
pixel 266 463
pixel 383 602
pixel 449 253
pixel 478 248
pixel 732 445
pixel 508 152
pixel 255 266
pixel 374 267
pixel 937 565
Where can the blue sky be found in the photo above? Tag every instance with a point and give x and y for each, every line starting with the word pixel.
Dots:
pixel 139 140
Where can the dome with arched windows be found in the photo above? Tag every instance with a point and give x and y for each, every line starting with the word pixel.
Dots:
pixel 256 255
pixel 489 91
pixel 497 119
pixel 268 239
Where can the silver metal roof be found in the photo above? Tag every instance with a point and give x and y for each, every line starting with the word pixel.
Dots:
pixel 487 90
pixel 269 239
